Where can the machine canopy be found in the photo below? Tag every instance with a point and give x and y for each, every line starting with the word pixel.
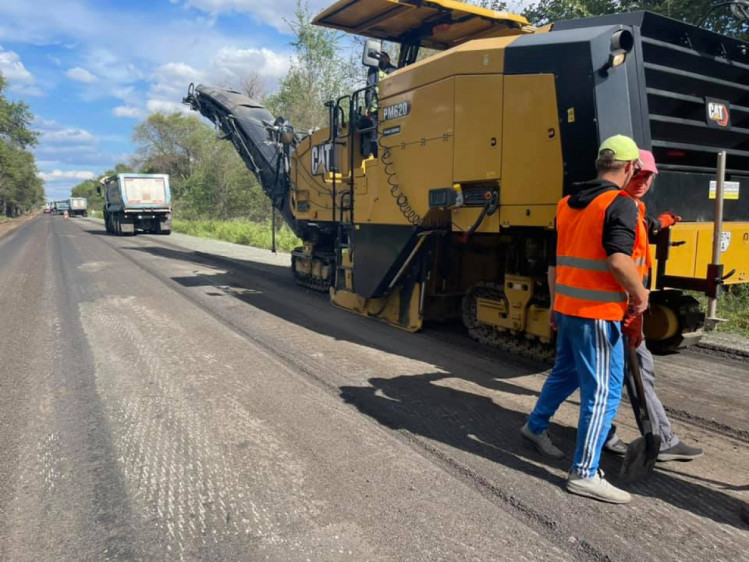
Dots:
pixel 435 24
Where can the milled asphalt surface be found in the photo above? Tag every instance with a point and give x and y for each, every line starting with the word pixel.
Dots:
pixel 170 398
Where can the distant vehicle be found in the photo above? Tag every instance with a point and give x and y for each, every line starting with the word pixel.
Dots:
pixel 59 207
pixel 78 206
pixel 134 202
pixel 47 210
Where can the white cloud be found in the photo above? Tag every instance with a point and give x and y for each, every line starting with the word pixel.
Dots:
pixel 80 75
pixel 19 79
pixel 272 13
pixel 127 111
pixel 66 152
pixel 66 145
pixel 57 175
pixel 236 63
pixel 13 69
pixel 228 67
pixel 112 66
pixel 165 106
pixel 68 136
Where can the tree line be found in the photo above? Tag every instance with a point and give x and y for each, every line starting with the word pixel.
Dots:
pixel 209 180
pixel 20 187
pixel 691 11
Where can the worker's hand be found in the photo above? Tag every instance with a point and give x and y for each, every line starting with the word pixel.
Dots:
pixel 632 329
pixel 640 302
pixel 553 320
pixel 668 219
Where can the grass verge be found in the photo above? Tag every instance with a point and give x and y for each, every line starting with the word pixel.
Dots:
pixel 243 232
pixel 733 305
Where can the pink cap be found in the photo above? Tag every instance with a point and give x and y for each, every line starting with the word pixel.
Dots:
pixel 647 162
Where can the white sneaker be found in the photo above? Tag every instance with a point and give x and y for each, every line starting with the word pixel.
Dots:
pixel 542 442
pixel 596 487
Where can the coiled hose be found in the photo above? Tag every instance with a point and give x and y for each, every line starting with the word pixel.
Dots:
pixel 401 199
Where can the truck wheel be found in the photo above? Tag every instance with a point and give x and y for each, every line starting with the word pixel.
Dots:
pixel 117 227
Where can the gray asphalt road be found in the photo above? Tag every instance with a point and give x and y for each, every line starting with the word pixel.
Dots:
pixel 157 404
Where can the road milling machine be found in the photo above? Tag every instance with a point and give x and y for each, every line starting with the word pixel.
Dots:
pixel 449 216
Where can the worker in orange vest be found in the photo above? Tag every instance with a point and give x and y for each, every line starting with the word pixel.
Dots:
pixel 594 275
pixel 672 448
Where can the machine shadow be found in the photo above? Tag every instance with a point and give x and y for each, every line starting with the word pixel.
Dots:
pixel 263 281
pixel 418 403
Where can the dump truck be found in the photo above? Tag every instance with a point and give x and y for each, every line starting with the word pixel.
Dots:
pixel 78 206
pixel 59 207
pixel 450 215
pixel 136 202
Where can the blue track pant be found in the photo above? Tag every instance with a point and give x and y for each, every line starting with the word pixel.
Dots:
pixel 590 356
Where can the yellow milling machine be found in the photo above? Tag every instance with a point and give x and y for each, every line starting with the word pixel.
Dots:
pixel 439 206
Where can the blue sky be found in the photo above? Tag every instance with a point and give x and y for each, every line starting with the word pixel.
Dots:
pixel 93 69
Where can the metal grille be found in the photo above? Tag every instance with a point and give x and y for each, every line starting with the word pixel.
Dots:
pixel 684 68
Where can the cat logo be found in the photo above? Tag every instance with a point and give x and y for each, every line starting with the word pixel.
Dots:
pixel 396 111
pixel 718 113
pixel 320 159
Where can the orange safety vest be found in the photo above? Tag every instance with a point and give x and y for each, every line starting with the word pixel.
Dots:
pixel 641 253
pixel 585 286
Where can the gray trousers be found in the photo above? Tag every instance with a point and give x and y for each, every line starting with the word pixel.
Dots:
pixel 656 411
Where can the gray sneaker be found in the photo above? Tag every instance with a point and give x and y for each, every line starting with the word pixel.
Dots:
pixel 679 452
pixel 596 487
pixel 616 446
pixel 541 442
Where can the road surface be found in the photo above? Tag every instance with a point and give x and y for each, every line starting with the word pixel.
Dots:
pixel 162 404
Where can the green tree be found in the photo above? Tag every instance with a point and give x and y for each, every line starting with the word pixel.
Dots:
pixel 690 11
pixel 20 187
pixel 318 73
pixel 207 176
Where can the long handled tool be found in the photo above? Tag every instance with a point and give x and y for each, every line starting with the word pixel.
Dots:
pixel 643 451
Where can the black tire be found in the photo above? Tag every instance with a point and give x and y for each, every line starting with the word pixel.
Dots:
pixel 117 226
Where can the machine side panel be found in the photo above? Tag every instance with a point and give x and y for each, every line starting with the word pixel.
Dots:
pixel 478 128
pixel 416 151
pixel 532 159
pixel 482 56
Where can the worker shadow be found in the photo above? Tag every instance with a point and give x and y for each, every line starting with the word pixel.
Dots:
pixel 421 405
pixel 425 406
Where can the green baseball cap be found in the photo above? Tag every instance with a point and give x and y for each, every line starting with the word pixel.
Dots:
pixel 623 147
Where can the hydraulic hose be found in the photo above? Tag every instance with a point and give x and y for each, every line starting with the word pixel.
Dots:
pixel 489 208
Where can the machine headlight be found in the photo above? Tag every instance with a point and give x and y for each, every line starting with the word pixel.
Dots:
pixel 617 58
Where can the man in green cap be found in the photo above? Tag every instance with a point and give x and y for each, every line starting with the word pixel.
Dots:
pixel 593 278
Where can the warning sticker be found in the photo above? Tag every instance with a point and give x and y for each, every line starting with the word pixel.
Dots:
pixel 725 241
pixel 730 189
